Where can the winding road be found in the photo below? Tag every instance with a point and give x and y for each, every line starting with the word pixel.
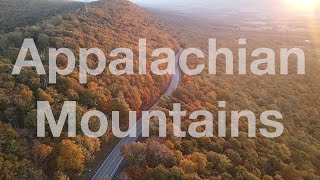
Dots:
pixel 113 161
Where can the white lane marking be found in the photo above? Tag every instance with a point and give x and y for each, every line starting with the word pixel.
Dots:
pixel 140 126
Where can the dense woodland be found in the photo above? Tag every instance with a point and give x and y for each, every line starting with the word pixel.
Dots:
pixel 21 13
pixel 294 155
pixel 108 25
pixel 117 23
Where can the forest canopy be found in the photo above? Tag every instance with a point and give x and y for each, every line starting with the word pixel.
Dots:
pixel 108 24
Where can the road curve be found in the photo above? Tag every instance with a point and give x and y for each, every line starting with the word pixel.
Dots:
pixel 113 161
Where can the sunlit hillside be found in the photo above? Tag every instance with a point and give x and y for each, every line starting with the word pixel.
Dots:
pixel 107 25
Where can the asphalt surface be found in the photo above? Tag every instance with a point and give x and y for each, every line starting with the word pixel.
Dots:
pixel 114 160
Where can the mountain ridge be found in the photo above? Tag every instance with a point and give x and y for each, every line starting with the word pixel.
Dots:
pixel 108 25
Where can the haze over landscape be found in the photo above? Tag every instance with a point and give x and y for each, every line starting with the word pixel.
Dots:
pixel 238 98
pixel 274 14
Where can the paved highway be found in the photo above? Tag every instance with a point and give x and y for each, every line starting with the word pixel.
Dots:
pixel 113 161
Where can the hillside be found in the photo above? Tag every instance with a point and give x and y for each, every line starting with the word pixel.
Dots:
pixel 109 24
pixel 293 155
pixel 20 13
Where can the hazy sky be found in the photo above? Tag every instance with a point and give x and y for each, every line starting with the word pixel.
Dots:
pixel 243 5
pixel 85 0
pixel 217 8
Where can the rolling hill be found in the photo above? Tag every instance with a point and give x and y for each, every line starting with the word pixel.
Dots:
pixel 108 25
